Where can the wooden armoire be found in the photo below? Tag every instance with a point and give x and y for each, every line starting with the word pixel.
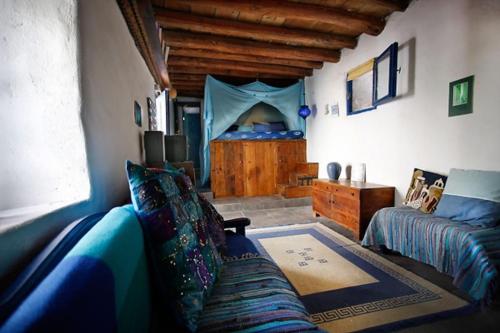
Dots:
pixel 253 168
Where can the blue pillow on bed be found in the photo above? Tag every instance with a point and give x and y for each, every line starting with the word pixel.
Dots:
pixel 277 126
pixel 262 127
pixel 245 128
pixel 472 197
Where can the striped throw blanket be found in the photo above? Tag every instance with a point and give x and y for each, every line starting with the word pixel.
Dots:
pixel 252 295
pixel 471 255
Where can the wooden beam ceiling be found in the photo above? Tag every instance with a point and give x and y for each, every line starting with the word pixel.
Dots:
pixel 266 39
pixel 183 21
pixel 141 24
pixel 344 21
pixel 239 66
pixel 208 54
pixel 182 70
pixel 242 46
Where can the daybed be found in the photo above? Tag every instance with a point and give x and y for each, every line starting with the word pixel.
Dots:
pixel 99 275
pixel 461 238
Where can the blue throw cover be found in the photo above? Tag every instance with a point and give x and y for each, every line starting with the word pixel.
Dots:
pixel 471 196
pixel 185 253
pixel 239 135
pixel 252 295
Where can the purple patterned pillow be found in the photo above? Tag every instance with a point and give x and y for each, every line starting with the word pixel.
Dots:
pixel 182 250
pixel 215 223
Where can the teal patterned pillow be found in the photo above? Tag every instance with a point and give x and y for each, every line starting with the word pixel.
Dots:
pixel 199 218
pixel 182 249
pixel 213 221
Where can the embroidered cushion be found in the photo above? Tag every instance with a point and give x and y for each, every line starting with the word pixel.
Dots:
pixel 212 219
pixel 215 224
pixel 198 217
pixel 179 244
pixel 425 190
pixel 471 196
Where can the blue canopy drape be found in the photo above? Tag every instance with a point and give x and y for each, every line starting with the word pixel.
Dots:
pixel 224 103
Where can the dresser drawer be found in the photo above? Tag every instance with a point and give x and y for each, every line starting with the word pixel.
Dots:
pixel 347 220
pixel 345 204
pixel 322 185
pixel 345 191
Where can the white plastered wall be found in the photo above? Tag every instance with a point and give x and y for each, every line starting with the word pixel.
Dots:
pixel 103 74
pixel 440 41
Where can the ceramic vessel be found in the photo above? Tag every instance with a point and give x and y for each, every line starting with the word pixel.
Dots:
pixel 334 169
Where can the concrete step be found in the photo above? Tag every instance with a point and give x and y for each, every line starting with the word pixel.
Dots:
pixel 258 203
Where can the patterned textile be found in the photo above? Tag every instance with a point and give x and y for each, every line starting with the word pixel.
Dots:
pixel 215 223
pixel 470 255
pixel 473 197
pixel 252 295
pixel 425 190
pixel 261 135
pixel 183 249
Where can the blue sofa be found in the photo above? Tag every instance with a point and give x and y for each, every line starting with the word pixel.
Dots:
pixel 94 277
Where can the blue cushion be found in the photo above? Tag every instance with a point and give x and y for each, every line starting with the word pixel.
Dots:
pixel 262 127
pixel 471 196
pixel 245 128
pixel 277 126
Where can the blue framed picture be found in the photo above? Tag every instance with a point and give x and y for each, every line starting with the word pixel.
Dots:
pixel 137 114
pixel 385 75
pixel 372 83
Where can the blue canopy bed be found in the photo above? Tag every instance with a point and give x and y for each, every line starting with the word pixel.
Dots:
pixel 224 104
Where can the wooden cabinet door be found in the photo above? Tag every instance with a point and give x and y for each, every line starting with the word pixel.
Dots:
pixel 321 202
pixel 226 168
pixel 258 168
pixel 288 154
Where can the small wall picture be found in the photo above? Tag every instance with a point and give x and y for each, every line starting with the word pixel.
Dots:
pixel 137 114
pixel 153 125
pixel 460 99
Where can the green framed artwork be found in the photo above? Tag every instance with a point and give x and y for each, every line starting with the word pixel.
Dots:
pixel 460 99
pixel 137 114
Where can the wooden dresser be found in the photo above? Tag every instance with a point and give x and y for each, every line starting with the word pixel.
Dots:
pixel 253 168
pixel 351 204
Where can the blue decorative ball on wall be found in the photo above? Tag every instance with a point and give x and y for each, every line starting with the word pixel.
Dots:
pixel 334 169
pixel 304 111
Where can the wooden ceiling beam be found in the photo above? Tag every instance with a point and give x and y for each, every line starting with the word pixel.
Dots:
pixel 392 5
pixel 183 70
pixel 190 93
pixel 387 5
pixel 341 18
pixel 207 54
pixel 188 77
pixel 238 65
pixel 194 83
pixel 231 45
pixel 140 20
pixel 267 33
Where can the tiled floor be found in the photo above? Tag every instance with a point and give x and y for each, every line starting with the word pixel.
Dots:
pixel 275 211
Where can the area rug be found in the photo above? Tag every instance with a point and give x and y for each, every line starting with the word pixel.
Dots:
pixel 346 287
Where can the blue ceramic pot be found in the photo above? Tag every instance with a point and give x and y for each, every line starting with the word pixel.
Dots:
pixel 334 169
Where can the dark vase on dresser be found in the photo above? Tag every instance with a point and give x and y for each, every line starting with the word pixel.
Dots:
pixel 334 169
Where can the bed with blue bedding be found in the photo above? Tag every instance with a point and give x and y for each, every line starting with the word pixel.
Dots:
pixel 470 254
pixel 253 135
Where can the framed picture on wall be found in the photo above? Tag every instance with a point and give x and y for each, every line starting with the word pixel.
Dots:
pixel 460 96
pixel 137 114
